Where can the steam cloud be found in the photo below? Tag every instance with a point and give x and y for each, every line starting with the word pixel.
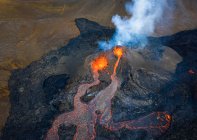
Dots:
pixel 132 30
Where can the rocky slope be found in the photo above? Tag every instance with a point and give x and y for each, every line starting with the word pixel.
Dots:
pixel 38 94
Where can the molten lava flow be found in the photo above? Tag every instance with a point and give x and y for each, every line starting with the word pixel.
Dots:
pixel 102 102
pixel 84 115
pixel 80 115
pixel 118 51
pixel 157 121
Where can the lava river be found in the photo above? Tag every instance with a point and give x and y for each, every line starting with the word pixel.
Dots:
pixel 84 115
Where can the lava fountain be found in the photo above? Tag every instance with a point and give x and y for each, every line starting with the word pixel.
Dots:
pixel 84 115
pixel 98 64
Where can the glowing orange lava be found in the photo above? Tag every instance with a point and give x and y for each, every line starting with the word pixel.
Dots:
pixel 99 63
pixel 168 117
pixel 118 51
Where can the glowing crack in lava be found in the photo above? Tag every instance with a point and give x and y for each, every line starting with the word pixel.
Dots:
pixel 84 115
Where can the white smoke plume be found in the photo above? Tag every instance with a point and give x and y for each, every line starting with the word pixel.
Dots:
pixel 132 30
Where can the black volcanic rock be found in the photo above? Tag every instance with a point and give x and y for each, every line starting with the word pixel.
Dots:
pixel 85 26
pixel 54 84
pixel 46 88
pixel 67 132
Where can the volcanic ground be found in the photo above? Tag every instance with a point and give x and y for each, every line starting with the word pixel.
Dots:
pixel 160 77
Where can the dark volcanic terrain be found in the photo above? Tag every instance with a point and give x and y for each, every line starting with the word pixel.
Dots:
pixel 160 77
pixel 32 28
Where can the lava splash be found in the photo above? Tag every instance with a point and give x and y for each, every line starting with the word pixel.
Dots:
pixel 99 63
pixel 84 115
